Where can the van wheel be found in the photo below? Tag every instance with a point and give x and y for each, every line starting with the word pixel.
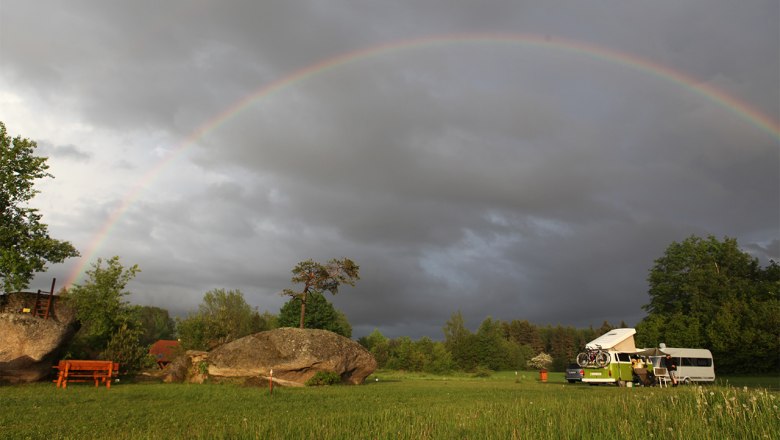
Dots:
pixel 572 380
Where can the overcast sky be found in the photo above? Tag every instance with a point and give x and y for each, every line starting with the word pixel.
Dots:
pixel 534 172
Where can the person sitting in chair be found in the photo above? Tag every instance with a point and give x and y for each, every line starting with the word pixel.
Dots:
pixel 640 372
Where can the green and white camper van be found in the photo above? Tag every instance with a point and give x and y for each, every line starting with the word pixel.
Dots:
pixel 618 345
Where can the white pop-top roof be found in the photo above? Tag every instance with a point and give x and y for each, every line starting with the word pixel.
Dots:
pixel 621 339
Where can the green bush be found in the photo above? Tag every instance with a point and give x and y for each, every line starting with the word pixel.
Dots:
pixel 323 378
pixel 482 371
pixel 124 348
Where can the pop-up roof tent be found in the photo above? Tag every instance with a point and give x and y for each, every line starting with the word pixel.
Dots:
pixel 618 339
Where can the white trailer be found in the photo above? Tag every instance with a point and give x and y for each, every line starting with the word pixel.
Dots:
pixel 693 364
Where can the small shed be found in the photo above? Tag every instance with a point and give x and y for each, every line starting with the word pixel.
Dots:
pixel 618 339
pixel 163 351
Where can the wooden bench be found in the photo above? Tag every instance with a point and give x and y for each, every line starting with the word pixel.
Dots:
pixel 86 371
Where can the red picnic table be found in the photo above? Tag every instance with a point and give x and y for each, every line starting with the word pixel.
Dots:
pixel 86 371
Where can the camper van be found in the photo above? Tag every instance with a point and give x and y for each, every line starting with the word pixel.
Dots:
pixel 618 345
pixel 693 364
pixel 618 371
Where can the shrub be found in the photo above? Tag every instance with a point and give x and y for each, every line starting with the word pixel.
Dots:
pixel 124 348
pixel 482 371
pixel 323 378
pixel 542 361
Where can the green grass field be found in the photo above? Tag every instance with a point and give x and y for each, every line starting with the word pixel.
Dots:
pixel 398 406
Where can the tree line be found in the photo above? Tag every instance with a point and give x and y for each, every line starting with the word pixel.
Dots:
pixel 495 345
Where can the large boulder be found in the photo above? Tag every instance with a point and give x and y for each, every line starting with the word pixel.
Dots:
pixel 29 345
pixel 294 355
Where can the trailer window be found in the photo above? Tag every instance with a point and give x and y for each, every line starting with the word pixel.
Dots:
pixel 695 362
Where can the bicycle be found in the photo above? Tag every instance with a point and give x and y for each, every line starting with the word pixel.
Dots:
pixel 590 357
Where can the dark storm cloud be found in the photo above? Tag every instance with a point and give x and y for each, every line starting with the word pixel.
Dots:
pixel 507 180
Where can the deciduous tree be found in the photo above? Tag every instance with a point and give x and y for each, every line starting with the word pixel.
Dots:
pixel 99 302
pixel 460 342
pixel 110 327
pixel 694 277
pixel 491 346
pixel 223 316
pixel 156 324
pixel 708 293
pixel 378 345
pixel 25 245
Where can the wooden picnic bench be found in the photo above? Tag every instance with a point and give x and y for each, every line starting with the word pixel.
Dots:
pixel 86 371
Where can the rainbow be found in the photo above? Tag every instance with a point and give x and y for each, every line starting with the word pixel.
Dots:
pixel 716 96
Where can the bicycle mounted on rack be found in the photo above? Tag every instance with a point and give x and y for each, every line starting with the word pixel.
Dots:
pixel 593 357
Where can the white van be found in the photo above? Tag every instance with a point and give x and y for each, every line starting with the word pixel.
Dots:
pixel 693 364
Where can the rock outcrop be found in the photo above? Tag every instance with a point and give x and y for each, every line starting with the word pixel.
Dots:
pixel 29 345
pixel 187 368
pixel 295 355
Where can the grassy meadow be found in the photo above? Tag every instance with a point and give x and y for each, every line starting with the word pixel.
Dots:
pixel 397 406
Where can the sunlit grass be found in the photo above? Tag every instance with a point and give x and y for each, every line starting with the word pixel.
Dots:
pixel 398 406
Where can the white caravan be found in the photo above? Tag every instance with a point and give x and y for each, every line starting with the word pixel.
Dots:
pixel 693 364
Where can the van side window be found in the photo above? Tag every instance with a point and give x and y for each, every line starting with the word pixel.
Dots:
pixel 624 357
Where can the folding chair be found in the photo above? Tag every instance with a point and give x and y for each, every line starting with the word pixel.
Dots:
pixel 662 376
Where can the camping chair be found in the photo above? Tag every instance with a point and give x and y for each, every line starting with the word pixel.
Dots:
pixel 662 376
